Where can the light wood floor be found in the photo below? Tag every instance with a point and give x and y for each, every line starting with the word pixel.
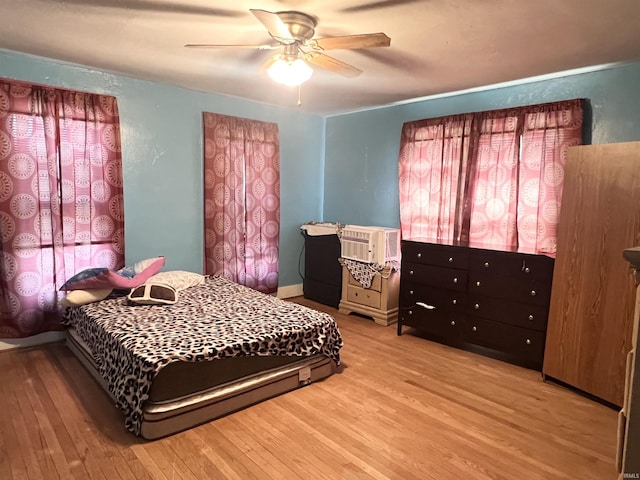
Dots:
pixel 402 408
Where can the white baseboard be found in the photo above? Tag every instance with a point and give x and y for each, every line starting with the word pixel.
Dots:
pixel 46 337
pixel 290 291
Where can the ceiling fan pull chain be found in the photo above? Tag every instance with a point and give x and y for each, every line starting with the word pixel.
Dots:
pixel 299 99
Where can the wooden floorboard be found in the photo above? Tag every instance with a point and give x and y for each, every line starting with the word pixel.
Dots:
pixel 400 408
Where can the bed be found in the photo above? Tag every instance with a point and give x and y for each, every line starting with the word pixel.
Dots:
pixel 221 347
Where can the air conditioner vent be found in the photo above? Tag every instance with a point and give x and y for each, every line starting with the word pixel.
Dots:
pixel 370 244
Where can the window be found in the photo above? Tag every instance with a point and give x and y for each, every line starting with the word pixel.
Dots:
pixel 242 200
pixel 489 179
pixel 61 204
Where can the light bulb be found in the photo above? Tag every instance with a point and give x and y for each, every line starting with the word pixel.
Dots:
pixel 290 72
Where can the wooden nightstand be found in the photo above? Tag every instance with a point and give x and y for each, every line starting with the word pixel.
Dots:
pixel 380 301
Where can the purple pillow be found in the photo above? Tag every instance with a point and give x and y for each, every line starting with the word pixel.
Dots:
pixel 101 278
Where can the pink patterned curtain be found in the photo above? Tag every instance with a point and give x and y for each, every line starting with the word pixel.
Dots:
pixel 433 172
pixel 242 200
pixel 508 191
pixel 492 203
pixel 61 204
pixel 547 132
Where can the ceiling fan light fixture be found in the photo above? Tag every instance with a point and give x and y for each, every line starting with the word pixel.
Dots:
pixel 291 72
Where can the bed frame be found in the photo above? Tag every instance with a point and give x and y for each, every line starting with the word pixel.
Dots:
pixel 172 415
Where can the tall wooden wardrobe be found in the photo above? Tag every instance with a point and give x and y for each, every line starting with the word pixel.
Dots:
pixel 593 295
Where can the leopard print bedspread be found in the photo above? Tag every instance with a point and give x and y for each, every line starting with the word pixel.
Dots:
pixel 214 320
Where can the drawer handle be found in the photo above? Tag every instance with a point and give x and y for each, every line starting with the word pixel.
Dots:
pixel 627 380
pixel 455 302
pixel 410 292
pixel 474 328
pixel 622 423
pixel 477 306
pixel 531 318
pixel 419 255
pixel 455 280
pixel 450 259
pixel 453 323
pixel 528 341
pixel 527 270
pixel 410 272
pixel 477 284
pixel 425 305
pixel 533 293
pixel 486 264
pixel 410 312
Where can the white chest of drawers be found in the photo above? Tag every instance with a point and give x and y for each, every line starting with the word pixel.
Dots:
pixel 380 301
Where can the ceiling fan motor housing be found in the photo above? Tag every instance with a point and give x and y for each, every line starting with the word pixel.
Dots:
pixel 301 26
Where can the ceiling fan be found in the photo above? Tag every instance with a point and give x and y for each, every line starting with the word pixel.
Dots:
pixel 293 31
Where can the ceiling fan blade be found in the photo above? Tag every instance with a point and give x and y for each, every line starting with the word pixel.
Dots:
pixel 273 23
pixel 376 5
pixel 365 40
pixel 213 45
pixel 157 6
pixel 330 63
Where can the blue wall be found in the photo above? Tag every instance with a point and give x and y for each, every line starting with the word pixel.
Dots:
pixel 361 162
pixel 342 168
pixel 162 160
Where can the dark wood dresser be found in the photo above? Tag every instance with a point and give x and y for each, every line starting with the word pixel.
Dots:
pixel 488 301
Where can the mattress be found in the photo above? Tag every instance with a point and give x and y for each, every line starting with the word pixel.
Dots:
pixel 165 356
pixel 165 414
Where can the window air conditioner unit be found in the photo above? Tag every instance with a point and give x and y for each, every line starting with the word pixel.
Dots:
pixel 370 244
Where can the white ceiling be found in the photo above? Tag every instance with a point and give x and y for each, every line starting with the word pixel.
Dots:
pixel 437 46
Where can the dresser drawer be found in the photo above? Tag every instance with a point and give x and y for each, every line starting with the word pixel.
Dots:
pixel 449 278
pixel 536 292
pixel 450 300
pixel 523 343
pixel 519 314
pixel 363 296
pixel 515 265
pixel 376 282
pixel 436 322
pixel 434 254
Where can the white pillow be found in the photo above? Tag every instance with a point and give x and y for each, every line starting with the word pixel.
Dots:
pixel 77 298
pixel 178 279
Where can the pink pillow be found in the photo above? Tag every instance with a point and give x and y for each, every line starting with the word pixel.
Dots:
pixel 101 278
